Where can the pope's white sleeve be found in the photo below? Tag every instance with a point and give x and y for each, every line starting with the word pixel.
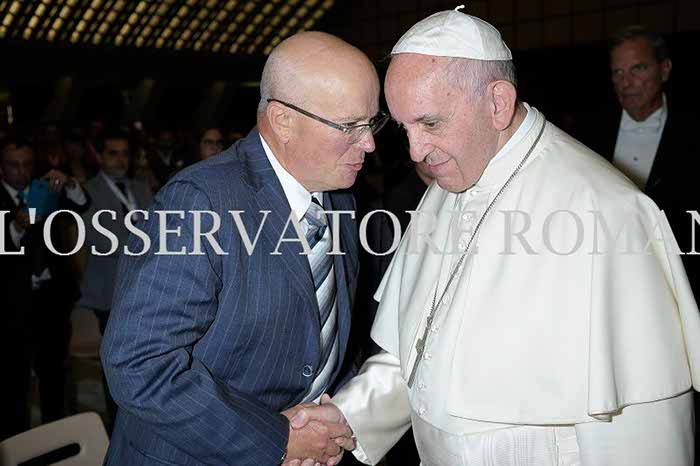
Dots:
pixel 375 404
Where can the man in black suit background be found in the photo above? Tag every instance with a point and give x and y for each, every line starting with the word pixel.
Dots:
pixel 651 140
pixel 34 303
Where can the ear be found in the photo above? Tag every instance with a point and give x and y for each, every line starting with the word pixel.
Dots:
pixel 666 66
pixel 503 98
pixel 280 121
pixel 100 160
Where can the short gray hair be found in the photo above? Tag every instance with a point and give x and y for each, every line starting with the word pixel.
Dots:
pixel 638 31
pixel 279 81
pixel 474 76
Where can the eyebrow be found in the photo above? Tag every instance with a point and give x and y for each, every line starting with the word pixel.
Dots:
pixel 427 118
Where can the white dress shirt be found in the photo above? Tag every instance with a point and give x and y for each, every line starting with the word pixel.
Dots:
pixel 637 143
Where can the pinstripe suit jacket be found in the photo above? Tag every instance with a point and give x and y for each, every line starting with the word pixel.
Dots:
pixel 203 351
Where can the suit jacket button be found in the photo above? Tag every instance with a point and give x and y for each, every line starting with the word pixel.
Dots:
pixel 307 371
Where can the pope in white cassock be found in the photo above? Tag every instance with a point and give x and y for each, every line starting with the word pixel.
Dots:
pixel 536 311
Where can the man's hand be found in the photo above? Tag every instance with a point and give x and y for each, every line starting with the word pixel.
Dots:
pixel 58 180
pixel 328 414
pixel 318 440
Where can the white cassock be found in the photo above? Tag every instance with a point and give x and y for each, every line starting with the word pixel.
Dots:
pixel 558 343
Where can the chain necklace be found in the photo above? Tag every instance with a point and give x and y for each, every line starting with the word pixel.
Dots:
pixel 421 343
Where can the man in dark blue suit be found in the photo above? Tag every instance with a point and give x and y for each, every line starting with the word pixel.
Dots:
pixel 215 339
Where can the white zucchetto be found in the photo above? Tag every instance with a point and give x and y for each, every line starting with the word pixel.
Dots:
pixel 454 34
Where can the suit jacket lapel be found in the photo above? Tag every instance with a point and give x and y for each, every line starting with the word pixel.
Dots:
pixel 657 168
pixel 344 267
pixel 270 196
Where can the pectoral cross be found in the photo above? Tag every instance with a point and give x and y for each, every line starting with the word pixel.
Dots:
pixel 420 349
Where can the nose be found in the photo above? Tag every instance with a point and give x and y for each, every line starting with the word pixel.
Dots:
pixel 366 143
pixel 418 147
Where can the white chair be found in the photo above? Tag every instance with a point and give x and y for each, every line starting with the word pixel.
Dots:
pixel 84 429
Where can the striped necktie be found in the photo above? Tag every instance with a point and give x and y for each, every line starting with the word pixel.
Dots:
pixel 319 238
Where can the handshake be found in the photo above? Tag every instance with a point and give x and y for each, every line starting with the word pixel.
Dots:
pixel 318 434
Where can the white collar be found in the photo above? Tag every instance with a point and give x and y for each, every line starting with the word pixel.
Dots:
pixel 654 121
pixel 298 197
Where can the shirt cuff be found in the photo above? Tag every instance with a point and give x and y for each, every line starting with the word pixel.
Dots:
pixel 359 453
pixel 76 194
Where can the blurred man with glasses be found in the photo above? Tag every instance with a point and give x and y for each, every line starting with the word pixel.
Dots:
pixel 210 354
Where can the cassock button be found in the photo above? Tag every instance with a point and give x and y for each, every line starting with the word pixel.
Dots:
pixel 427 356
pixel 475 192
pixel 462 245
pixel 467 216
pixel 307 371
pixel 421 385
pixel 446 300
pixel 421 411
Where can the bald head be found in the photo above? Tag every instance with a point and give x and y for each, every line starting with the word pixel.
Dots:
pixel 310 66
pixel 320 87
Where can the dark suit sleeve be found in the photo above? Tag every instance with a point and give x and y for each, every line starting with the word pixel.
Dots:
pixel 162 307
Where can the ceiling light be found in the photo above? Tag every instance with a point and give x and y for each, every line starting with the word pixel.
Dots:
pixel 118 40
pixel 318 14
pixel 302 12
pixel 51 35
pixel 203 13
pixel 234 48
pixel 284 10
pixel 166 33
pixel 205 35
pixel 111 17
pixel 160 42
pixel 182 12
pixel 119 6
pixel 267 8
pixel 141 7
pixel 197 45
pixel 241 39
pixel 249 29
pixel 232 27
pixel 139 41
pixel 175 22
pixel 145 32
pixel 327 4
pixel 275 21
pixel 103 28
pixel 179 44
pixel 133 19
pixel 39 10
pixel 163 9
pixel 268 49
pixel 155 19
pixel 231 4
pixel 223 37
pixel 311 3
pixel 267 30
pixel 284 31
pixel 95 3
pixel 27 33
pixel 57 24
pixel 240 17
pixel 186 34
pixel 292 22
pixel 192 2
pixel 309 24
pixel 249 7
pixel 125 30
pixel 258 19
pixel 96 39
pixel 74 37
pixel 221 16
pixel 33 21
pixel 216 47
pixel 81 26
pixel 15 7
pixel 7 20
pixel 251 49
